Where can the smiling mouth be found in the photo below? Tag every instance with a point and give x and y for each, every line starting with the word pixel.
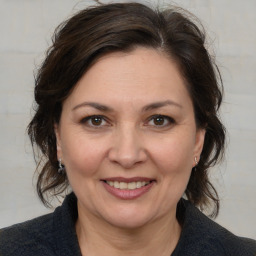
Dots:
pixel 127 185
pixel 128 188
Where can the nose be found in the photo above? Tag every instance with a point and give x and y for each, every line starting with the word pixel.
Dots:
pixel 127 148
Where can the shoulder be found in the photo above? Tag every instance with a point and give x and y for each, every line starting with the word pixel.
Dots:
pixel 223 241
pixel 205 237
pixel 28 238
pixel 52 234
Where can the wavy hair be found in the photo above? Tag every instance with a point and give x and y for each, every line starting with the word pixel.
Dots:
pixel 93 32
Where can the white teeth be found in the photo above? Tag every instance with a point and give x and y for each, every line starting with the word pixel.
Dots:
pixel 129 185
pixel 123 185
pixel 138 184
pixel 132 185
pixel 116 184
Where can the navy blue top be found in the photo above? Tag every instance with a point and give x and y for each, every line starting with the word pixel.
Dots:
pixel 54 235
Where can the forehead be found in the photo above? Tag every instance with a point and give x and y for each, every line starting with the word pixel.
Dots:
pixel 141 75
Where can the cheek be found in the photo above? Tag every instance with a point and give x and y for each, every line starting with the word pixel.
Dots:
pixel 82 156
pixel 174 154
pixel 174 165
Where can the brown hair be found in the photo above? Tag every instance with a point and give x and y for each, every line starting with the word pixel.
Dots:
pixel 93 32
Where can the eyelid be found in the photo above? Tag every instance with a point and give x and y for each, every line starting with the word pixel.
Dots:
pixel 86 119
pixel 170 120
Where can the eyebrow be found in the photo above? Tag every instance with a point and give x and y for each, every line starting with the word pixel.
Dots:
pixel 94 105
pixel 148 107
pixel 160 104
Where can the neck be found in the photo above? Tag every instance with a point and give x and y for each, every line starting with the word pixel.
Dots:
pixel 157 238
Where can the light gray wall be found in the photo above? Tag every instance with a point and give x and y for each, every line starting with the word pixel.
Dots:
pixel 25 30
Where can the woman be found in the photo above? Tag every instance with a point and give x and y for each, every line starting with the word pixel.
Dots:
pixel 127 117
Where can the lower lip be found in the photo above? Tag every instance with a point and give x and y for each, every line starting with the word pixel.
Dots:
pixel 128 194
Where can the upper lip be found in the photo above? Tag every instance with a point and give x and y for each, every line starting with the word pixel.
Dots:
pixel 127 180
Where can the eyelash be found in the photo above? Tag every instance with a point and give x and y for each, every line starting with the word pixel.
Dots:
pixel 165 118
pixel 88 119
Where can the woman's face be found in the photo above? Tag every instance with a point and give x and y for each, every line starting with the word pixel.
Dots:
pixel 127 137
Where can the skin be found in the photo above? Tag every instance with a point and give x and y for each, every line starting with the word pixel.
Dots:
pixel 127 140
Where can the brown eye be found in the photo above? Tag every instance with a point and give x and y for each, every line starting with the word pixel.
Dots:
pixel 159 120
pixel 96 121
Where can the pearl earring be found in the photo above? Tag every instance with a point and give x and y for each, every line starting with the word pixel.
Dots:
pixel 195 158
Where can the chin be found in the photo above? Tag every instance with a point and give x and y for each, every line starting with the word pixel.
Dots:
pixel 128 223
pixel 128 218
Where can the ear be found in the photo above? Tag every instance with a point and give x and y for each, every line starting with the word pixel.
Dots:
pixel 58 140
pixel 199 144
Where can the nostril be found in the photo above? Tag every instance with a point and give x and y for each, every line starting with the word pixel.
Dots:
pixel 127 157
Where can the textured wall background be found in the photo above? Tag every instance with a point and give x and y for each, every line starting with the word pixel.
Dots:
pixel 25 30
